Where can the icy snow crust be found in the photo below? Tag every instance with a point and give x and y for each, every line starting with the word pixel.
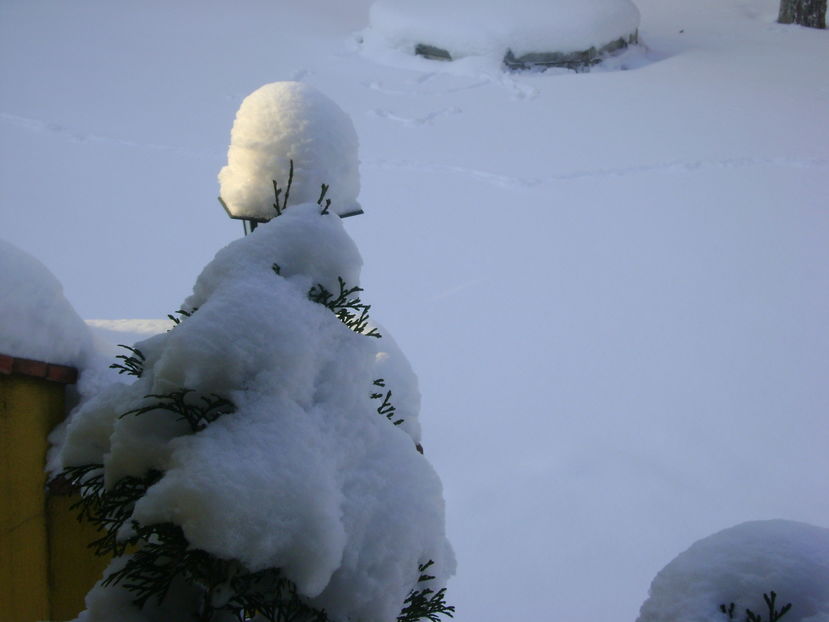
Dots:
pixel 474 28
pixel 304 475
pixel 285 121
pixel 739 565
pixel 36 320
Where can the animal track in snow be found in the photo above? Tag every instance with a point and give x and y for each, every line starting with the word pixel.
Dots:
pixel 414 91
pixel 502 181
pixel 518 183
pixel 77 136
pixel 426 119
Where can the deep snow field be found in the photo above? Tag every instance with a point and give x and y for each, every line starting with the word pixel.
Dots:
pixel 614 286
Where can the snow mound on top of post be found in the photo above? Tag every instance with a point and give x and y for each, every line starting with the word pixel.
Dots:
pixel 36 320
pixel 283 122
pixel 474 28
pixel 740 564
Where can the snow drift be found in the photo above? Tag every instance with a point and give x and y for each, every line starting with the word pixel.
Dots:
pixel 470 28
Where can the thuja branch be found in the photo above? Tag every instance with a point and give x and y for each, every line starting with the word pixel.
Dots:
pixel 108 510
pixel 323 191
pixel 183 313
pixel 198 412
pixel 426 603
pixel 166 556
pixel 771 604
pixel 346 306
pixel 386 408
pixel 281 206
pixel 133 364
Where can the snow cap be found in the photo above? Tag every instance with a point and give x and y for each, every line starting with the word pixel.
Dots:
pixel 36 320
pixel 283 122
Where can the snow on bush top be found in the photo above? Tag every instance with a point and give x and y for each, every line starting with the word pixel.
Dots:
pixel 472 27
pixel 304 475
pixel 286 121
pixel 740 564
pixel 36 321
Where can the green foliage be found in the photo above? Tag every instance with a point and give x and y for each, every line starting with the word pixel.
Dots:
pixel 225 585
pixel 348 308
pixel 386 408
pixel 281 206
pixel 771 603
pixel 425 604
pixel 281 202
pixel 197 410
pixel 183 314
pixel 133 364
pixel 108 509
pixel 323 191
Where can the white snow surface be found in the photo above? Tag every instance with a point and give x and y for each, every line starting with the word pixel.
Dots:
pixel 614 286
pixel 36 320
pixel 305 475
pixel 740 564
pixel 475 28
pixel 283 122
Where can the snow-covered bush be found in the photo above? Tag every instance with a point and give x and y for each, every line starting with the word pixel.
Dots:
pixel 286 122
pixel 569 33
pixel 738 566
pixel 265 463
pixel 249 463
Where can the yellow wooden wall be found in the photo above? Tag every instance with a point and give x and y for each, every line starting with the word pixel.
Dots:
pixel 45 567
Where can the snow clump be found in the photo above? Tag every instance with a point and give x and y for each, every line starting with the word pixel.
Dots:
pixel 37 321
pixel 474 28
pixel 304 475
pixel 283 122
pixel 739 565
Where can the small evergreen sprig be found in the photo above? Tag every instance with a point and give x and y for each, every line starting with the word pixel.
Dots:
pixel 771 603
pixel 386 408
pixel 323 191
pixel 183 314
pixel 283 205
pixel 348 308
pixel 197 413
pixel 107 509
pixel 426 603
pixel 133 364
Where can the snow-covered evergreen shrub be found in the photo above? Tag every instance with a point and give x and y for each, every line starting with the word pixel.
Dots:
pixel 744 565
pixel 250 468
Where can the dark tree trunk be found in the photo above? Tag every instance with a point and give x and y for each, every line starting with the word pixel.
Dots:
pixel 811 13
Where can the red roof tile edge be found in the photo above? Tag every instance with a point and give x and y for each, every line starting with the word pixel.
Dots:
pixel 38 369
